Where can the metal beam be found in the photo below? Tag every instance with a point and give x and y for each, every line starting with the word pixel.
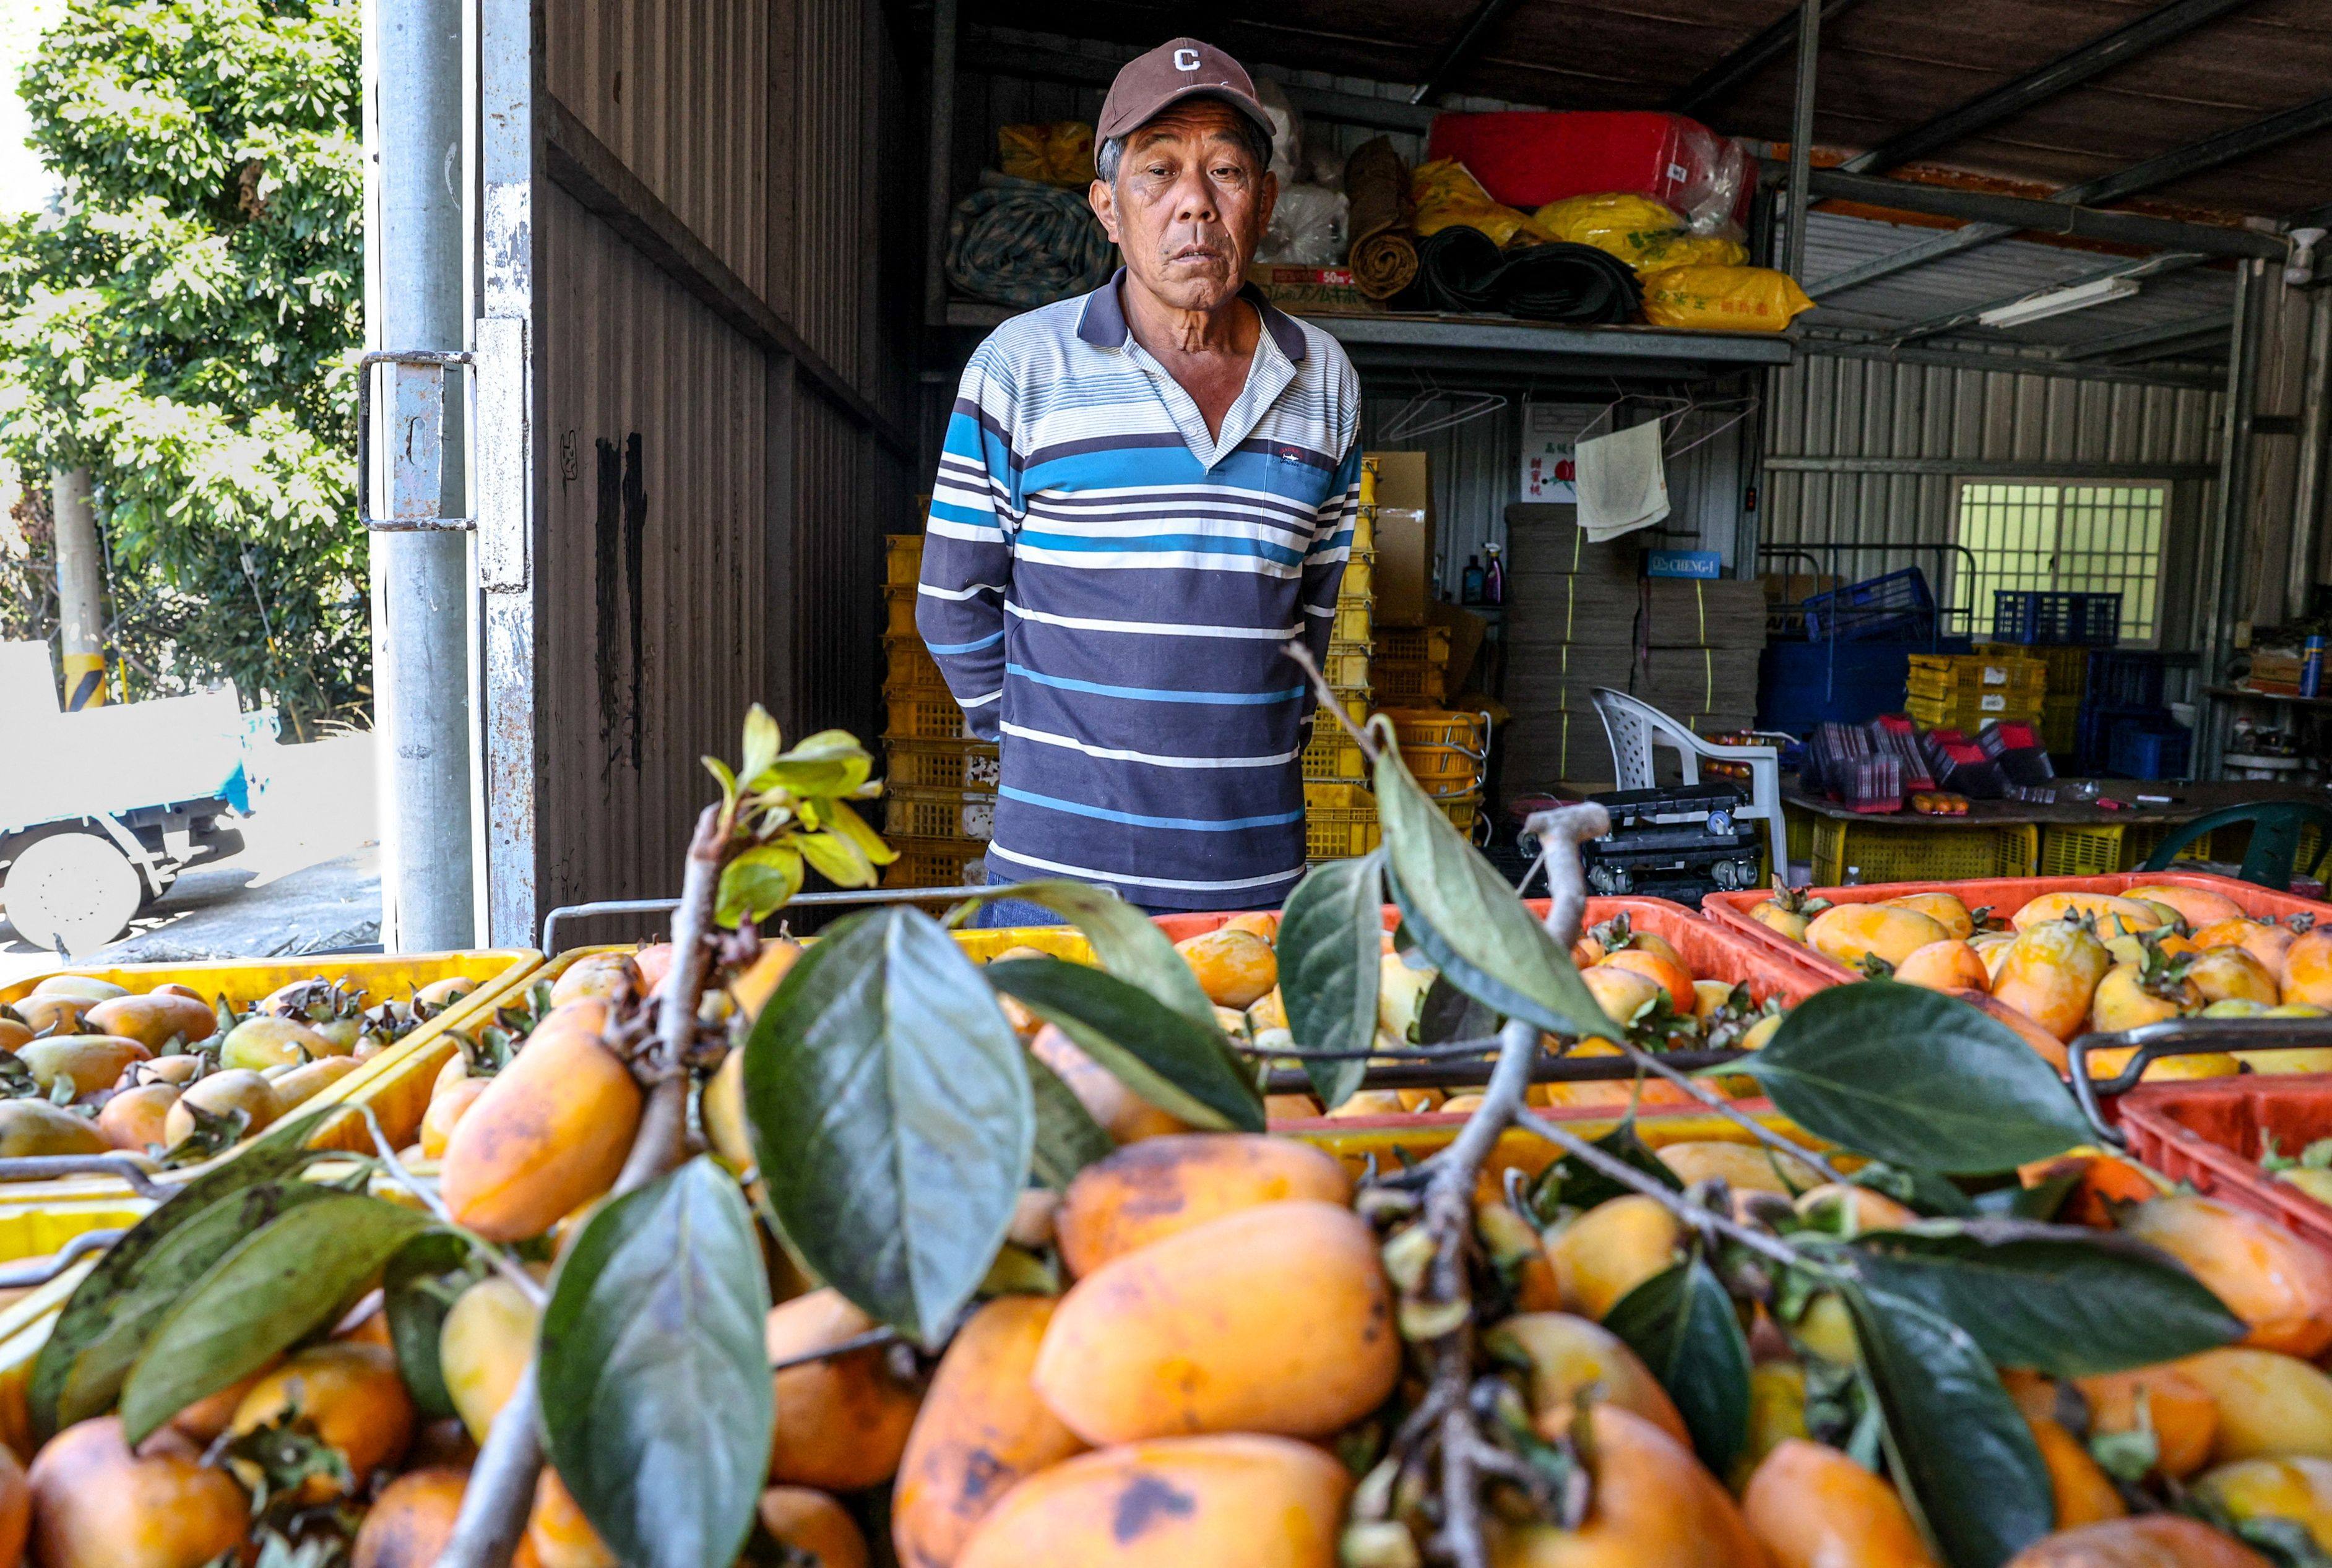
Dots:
pixel 981 53
pixel 2212 151
pixel 1840 343
pixel 1773 40
pixel 1988 468
pixel 2117 48
pixel 2007 214
pixel 941 167
pixel 1968 315
pixel 2150 337
pixel 1801 134
pixel 1462 49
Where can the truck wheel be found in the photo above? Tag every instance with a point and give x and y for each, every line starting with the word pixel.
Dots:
pixel 74 891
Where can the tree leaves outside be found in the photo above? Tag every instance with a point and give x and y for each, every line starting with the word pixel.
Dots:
pixel 178 324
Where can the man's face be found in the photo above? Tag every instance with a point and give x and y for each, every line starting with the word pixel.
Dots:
pixel 1189 204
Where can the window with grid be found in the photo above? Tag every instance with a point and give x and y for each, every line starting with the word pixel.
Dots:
pixel 2070 538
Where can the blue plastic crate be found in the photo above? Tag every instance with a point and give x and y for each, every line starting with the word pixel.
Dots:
pixel 1896 607
pixel 2140 752
pixel 2038 618
pixel 2120 680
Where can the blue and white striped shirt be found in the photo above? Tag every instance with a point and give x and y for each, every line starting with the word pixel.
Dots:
pixel 1108 589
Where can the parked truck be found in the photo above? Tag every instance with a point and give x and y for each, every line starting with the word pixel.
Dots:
pixel 102 808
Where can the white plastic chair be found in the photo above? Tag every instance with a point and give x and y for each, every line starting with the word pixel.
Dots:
pixel 1635 728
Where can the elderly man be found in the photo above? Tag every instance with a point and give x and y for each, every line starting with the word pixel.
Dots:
pixel 1144 494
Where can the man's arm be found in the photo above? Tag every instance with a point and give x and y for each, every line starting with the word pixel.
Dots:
pixel 1323 562
pixel 968 549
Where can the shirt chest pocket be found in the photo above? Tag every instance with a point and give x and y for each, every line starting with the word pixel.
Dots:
pixel 1297 474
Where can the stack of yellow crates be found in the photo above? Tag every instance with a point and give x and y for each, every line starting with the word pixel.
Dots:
pixel 939 795
pixel 1411 667
pixel 1969 691
pixel 2069 685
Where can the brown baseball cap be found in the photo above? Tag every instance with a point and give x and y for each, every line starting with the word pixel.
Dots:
pixel 1178 69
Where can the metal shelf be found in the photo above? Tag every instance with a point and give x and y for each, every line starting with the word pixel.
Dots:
pixel 1382 336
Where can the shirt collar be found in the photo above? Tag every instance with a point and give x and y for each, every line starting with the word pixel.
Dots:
pixel 1102 322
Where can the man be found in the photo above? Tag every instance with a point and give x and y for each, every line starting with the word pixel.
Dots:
pixel 1144 492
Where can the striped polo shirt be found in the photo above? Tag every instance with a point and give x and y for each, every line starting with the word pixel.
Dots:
pixel 1108 589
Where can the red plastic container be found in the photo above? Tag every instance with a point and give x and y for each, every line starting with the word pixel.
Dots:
pixel 2214 1132
pixel 2006 895
pixel 1528 157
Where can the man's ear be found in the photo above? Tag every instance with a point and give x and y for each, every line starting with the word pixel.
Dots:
pixel 1104 206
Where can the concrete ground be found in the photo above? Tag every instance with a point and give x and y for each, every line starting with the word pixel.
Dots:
pixel 307 879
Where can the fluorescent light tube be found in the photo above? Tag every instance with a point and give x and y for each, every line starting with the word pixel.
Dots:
pixel 2057 301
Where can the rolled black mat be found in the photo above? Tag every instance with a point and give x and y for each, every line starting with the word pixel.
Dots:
pixel 1462 269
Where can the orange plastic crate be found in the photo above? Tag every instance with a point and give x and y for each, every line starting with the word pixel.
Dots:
pixel 2214 1132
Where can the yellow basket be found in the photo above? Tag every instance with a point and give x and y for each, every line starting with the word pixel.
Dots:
pixel 915 717
pixel 1974 710
pixel 1340 821
pixel 1355 618
pixel 1408 680
pixel 937 862
pixel 899 611
pixel 1896 854
pixel 1347 666
pixel 1440 727
pixel 1391 1142
pixel 1430 644
pixel 2067 668
pixel 39 1217
pixel 1364 522
pixel 902 558
pixel 1464 811
pixel 939 814
pixel 1360 578
pixel 2140 839
pixel 908 667
pixel 2081 851
pixel 1441 768
pixel 941 764
pixel 1332 754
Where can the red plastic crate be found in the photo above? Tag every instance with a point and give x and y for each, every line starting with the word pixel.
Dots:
pixel 2214 1132
pixel 2005 894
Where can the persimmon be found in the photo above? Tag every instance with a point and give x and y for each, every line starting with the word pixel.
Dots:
pixel 2112 914
pixel 153 1020
pixel 809 1521
pixel 410 1523
pixel 843 1420
pixel 1613 1248
pixel 482 1347
pixel 549 1133
pixel 1564 1356
pixel 1653 1507
pixel 2297 1490
pixel 2269 1405
pixel 1944 966
pixel 2146 1541
pixel 1811 1507
pixel 1851 932
pixel 2049 972
pixel 1124 1114
pixel 1159 1187
pixel 347 1395
pixel 98 1505
pixel 558 1533
pixel 1235 968
pixel 2084 1495
pixel 1945 909
pixel 2277 1283
pixel 1668 973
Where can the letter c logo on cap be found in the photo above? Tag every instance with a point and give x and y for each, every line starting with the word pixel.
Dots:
pixel 1186 59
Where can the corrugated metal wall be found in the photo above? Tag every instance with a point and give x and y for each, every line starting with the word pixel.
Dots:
pixel 710 521
pixel 1828 407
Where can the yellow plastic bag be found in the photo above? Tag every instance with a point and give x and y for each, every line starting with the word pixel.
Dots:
pixel 1613 221
pixel 1724 299
pixel 1649 254
pixel 1448 196
pixel 1060 153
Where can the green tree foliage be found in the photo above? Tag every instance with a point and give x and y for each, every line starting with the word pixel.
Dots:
pixel 179 322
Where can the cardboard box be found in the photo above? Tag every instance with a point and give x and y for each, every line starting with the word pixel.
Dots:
pixel 1302 288
pixel 1404 538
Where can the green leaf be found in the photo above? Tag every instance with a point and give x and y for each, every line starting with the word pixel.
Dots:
pixel 2069 1303
pixel 419 1288
pixel 653 1386
pixel 762 742
pixel 1329 945
pixel 1449 1014
pixel 1918 1079
pixel 269 1292
pixel 830 762
pixel 1569 1183
pixel 1126 941
pixel 1965 1457
pixel 1067 1137
pixel 1682 1323
pixel 845 821
pixel 105 1323
pixel 758 883
pixel 836 858
pixel 1465 918
pixel 891 1115
pixel 1183 1068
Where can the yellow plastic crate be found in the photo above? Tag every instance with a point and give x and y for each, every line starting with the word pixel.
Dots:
pixel 1391 1142
pixel 1902 853
pixel 1347 665
pixel 1360 575
pixel 1364 524
pixel 1408 680
pixel 941 764
pixel 39 1217
pixel 908 667
pixel 937 862
pixel 1340 821
pixel 1440 727
pixel 1332 754
pixel 1355 620
pixel 2140 839
pixel 899 610
pixel 1974 710
pixel 1430 644
pixel 2068 669
pixel 1464 811
pixel 902 558
pixel 1065 941
pixel 916 717
pixel 1441 768
pixel 1947 672
pixel 2081 851
pixel 939 814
